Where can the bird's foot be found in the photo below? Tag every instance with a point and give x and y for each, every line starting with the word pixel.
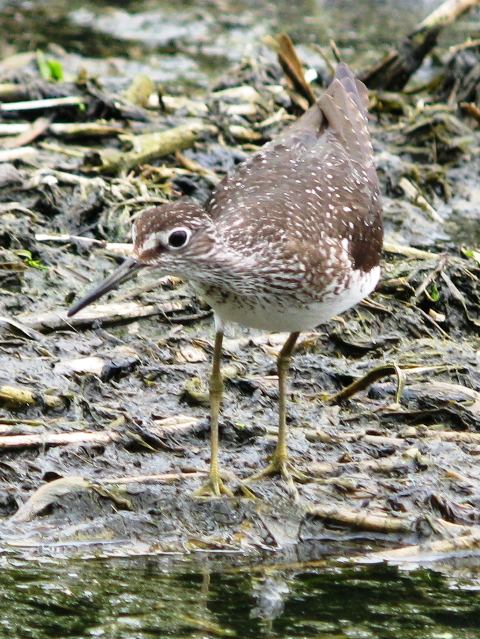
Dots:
pixel 280 465
pixel 213 487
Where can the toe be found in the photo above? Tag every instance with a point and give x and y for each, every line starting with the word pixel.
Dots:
pixel 214 487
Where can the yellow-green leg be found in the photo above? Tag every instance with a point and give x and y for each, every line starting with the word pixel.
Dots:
pixel 279 464
pixel 215 487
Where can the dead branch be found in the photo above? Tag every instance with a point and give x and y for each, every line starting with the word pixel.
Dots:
pixel 472 109
pixel 290 63
pixel 48 494
pixel 25 153
pixel 391 464
pixel 363 521
pixel 457 436
pixel 33 131
pixel 162 427
pixel 162 478
pixel 145 148
pixel 436 550
pixel 408 251
pixel 105 313
pixel 368 379
pixel 56 439
pixel 16 396
pixel 46 103
pixel 394 71
pixel 119 248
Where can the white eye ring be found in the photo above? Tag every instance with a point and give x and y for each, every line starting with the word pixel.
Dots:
pixel 178 238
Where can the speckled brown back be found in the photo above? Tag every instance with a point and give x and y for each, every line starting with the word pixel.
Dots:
pixel 308 190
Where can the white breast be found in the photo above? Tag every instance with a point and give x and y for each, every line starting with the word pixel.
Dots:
pixel 269 313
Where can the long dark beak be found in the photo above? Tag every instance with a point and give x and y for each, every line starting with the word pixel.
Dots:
pixel 123 273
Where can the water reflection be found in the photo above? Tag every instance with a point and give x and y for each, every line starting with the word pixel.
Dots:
pixel 145 598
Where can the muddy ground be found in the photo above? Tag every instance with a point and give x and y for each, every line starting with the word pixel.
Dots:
pixel 103 417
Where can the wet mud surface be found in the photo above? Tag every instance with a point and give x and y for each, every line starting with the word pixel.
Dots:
pixel 104 430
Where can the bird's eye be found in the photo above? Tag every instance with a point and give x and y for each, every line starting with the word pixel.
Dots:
pixel 178 238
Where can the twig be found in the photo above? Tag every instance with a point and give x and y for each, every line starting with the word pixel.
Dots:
pixel 364 520
pixel 368 379
pixel 457 436
pixel 408 251
pixel 26 397
pixel 48 494
pixel 25 153
pixel 145 148
pixel 162 478
pixel 413 193
pixel 34 131
pixel 458 295
pixel 443 259
pixel 467 543
pixel 119 248
pixel 426 317
pixel 290 62
pixel 56 439
pixel 391 464
pixel 105 313
pixel 47 103
pixel 472 109
pixel 8 207
pixel 161 427
pixel 394 71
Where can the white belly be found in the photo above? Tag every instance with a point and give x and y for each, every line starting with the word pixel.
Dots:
pixel 291 316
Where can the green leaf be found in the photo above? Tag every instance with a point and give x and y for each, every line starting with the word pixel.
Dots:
pixel 472 253
pixel 434 292
pixel 56 69
pixel 24 253
pixel 50 69
pixel 36 264
pixel 30 261
pixel 42 65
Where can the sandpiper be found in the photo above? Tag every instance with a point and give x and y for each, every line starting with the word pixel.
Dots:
pixel 287 241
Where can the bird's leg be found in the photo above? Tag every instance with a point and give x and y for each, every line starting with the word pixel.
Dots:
pixel 280 455
pixel 214 486
pixel 279 464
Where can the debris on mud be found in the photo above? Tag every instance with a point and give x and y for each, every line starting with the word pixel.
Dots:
pixel 103 417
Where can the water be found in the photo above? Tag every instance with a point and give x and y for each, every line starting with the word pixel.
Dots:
pixel 145 598
pixel 187 43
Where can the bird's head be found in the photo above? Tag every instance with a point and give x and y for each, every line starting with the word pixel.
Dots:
pixel 171 238
pixel 170 235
